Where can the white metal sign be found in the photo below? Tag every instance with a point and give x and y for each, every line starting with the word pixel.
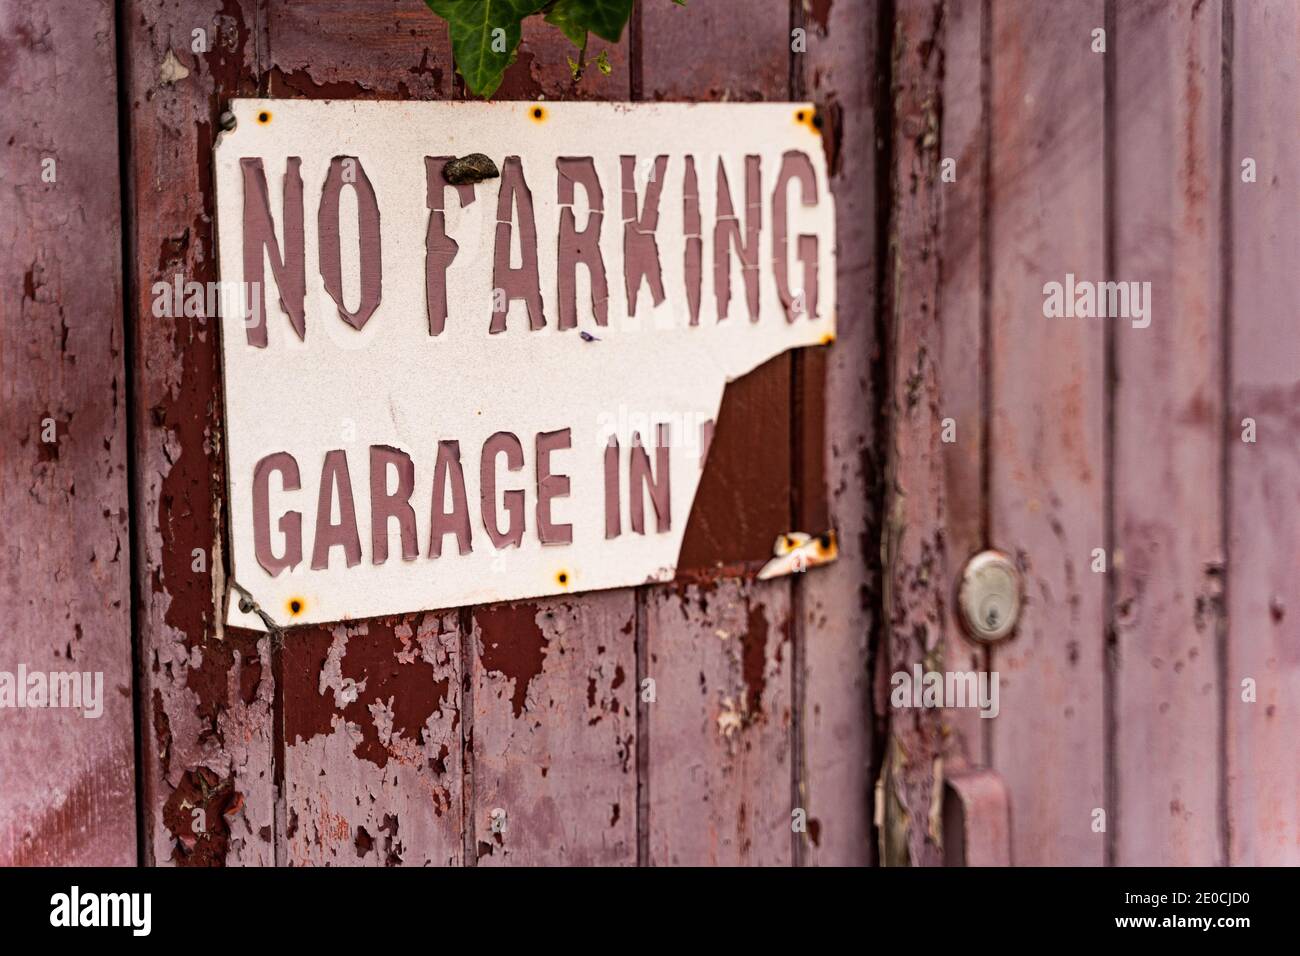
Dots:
pixel 445 394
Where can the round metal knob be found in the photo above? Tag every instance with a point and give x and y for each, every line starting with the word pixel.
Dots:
pixel 989 596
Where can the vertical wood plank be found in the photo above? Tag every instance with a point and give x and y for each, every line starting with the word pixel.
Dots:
pixel 68 779
pixel 555 732
pixel 1168 441
pixel 207 692
pixel 962 308
pixel 718 773
pixel 373 712
pixel 554 681
pixel 372 751
pixel 1048 469
pixel 915 572
pixel 838 602
pixel 720 724
pixel 732 50
pixel 1264 490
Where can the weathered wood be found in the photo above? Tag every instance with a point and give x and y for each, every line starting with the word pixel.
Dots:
pixel 553 728
pixel 720 724
pixel 372 742
pixel 1263 502
pixel 718 757
pixel 1168 435
pixel 1048 468
pixel 342 49
pixel 915 572
pixel 68 779
pixel 837 604
pixel 963 367
pixel 555 732
pixel 375 780
pixel 206 691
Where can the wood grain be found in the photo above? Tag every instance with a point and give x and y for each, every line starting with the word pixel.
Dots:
pixel 1168 436
pixel 1048 467
pixel 1264 478
pixel 68 779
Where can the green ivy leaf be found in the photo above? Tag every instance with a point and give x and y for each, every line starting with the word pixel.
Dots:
pixel 605 18
pixel 482 54
pixel 568 19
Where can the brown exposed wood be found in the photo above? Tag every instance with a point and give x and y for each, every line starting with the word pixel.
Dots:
pixel 1263 490
pixel 68 779
pixel 381 49
pixel 1168 415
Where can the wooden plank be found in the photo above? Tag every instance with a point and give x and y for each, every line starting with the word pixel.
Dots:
pixel 836 604
pixel 963 309
pixel 1048 468
pixel 720 724
pixel 718 773
pixel 372 753
pixel 1264 546
pixel 743 54
pixel 1168 435
pixel 555 732
pixel 375 780
pixel 69 779
pixel 553 681
pixel 206 691
pixel 915 572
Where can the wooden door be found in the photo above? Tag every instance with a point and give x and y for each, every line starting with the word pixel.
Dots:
pixel 1144 478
